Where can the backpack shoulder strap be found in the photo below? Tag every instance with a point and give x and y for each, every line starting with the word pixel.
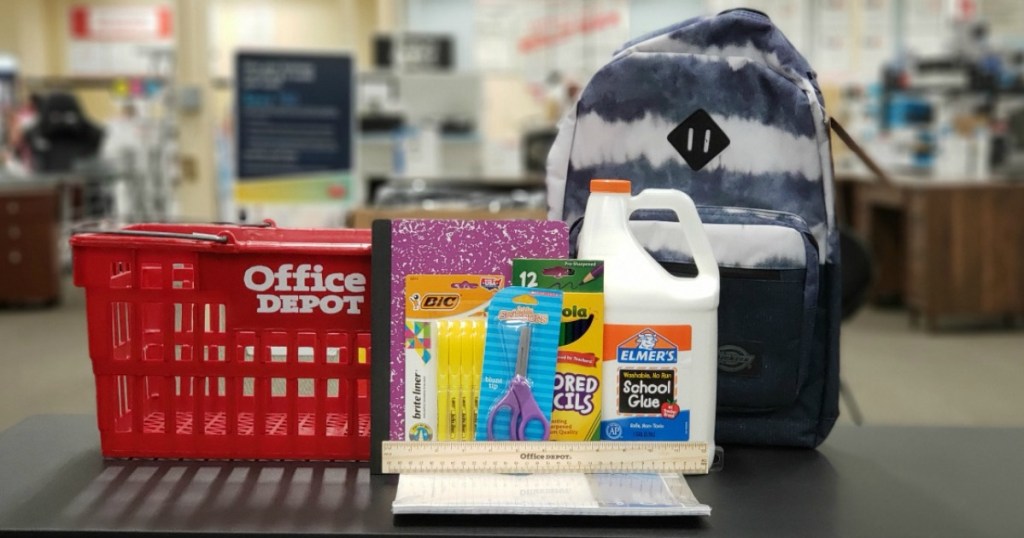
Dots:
pixel 859 151
pixel 557 168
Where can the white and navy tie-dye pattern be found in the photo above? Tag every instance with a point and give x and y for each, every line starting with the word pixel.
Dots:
pixel 754 85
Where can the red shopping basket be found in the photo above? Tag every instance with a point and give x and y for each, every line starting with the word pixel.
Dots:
pixel 229 342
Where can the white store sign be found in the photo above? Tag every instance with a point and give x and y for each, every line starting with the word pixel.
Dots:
pixel 117 40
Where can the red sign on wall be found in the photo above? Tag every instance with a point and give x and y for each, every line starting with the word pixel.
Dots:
pixel 121 23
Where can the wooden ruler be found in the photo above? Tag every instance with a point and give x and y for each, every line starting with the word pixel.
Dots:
pixel 543 457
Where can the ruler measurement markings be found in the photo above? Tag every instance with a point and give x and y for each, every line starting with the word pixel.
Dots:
pixel 517 456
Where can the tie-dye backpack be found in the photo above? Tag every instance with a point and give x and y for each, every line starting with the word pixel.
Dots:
pixel 725 109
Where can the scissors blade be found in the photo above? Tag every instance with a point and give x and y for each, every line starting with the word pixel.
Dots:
pixel 523 355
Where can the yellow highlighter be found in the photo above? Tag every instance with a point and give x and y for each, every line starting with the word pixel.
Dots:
pixel 480 329
pixel 466 373
pixel 443 332
pixel 455 381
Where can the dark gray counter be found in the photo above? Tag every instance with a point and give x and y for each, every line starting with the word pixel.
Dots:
pixel 868 481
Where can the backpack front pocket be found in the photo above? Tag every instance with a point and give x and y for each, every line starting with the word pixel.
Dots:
pixel 768 268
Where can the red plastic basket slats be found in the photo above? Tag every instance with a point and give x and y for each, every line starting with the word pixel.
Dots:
pixel 185 365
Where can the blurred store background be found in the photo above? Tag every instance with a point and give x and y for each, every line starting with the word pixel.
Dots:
pixel 335 112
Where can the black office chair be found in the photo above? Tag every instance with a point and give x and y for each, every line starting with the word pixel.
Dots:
pixel 62 134
pixel 857 270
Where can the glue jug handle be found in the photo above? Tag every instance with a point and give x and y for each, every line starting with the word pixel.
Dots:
pixel 693 231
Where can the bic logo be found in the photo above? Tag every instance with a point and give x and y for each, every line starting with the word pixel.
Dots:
pixel 698 139
pixel 435 301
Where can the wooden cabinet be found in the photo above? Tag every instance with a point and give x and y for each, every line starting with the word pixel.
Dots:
pixel 944 250
pixel 29 268
pixel 965 250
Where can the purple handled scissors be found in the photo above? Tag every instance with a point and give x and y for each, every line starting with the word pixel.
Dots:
pixel 519 398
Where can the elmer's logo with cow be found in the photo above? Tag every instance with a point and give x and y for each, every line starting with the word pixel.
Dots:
pixel 648 347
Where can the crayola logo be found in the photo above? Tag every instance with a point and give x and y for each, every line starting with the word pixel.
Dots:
pixel 647 347
pixel 575 312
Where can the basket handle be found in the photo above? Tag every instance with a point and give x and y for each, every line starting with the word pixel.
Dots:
pixel 267 223
pixel 196 236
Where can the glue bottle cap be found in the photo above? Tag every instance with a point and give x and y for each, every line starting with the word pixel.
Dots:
pixel 616 186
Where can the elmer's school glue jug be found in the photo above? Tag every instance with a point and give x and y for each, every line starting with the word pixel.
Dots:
pixel 661 331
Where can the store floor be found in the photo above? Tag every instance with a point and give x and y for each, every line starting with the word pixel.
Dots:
pixel 894 373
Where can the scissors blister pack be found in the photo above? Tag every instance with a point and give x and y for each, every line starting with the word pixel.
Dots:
pixel 518 378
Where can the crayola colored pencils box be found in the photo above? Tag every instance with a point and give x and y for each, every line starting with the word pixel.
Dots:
pixel 576 410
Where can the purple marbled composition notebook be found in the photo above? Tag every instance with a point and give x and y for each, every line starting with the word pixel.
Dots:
pixel 419 246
